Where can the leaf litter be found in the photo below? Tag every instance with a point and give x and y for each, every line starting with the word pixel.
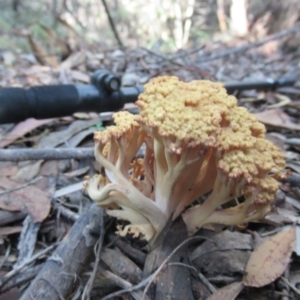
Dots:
pixel 270 259
pixel 223 262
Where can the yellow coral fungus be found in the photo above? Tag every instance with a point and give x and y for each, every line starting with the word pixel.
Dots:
pixel 198 141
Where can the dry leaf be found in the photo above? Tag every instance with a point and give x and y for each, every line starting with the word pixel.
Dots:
pixel 9 170
pixel 29 198
pixel 80 76
pixel 270 259
pixel 82 115
pixel 78 172
pixel 10 230
pixel 276 117
pixel 73 60
pixel 21 129
pixel 54 139
pixel 293 201
pixel 69 189
pixel 41 54
pixel 228 292
pixel 12 294
pixel 225 240
pixel 67 25
pixel 29 171
pixel 55 40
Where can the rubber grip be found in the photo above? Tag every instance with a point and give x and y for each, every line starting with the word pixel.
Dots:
pixel 17 104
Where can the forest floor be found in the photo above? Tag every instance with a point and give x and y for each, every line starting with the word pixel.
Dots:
pixel 44 213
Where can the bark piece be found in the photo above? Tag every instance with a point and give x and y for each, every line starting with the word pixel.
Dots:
pixel 173 282
pixel 58 276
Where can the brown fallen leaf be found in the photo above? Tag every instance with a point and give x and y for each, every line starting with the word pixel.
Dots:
pixel 9 170
pixel 56 138
pixel 10 230
pixel 12 294
pixel 77 172
pixel 14 197
pixel 228 292
pixel 21 129
pixel 41 54
pixel 277 118
pixel 270 259
pixel 80 76
pixel 29 171
pixel 73 60
pixel 64 47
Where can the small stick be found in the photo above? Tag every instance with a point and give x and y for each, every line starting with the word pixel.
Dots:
pixel 7 252
pixel 294 288
pixel 205 281
pixel 97 249
pixel 21 186
pixel 52 153
pixel 21 278
pixel 46 153
pixel 147 281
pixel 121 282
pixel 20 267
pixel 112 24
pixel 247 47
pixel 67 262
pixel 67 213
pixel 136 255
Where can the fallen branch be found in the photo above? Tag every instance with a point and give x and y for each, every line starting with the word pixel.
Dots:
pixel 112 24
pixel 20 267
pixel 50 154
pixel 122 283
pixel 97 250
pixel 147 281
pixel 59 275
pixel 247 47
pixel 21 278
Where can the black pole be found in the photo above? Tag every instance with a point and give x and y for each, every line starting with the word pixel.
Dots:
pixel 105 94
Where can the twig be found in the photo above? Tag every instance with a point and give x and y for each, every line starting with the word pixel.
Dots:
pixel 13 272
pixel 68 260
pixel 67 213
pixel 167 259
pixel 136 255
pixel 120 282
pixel 292 141
pixel 293 179
pixel 129 289
pixel 115 278
pixel 112 24
pixel 147 281
pixel 21 186
pixel 21 278
pixel 7 217
pixel 247 47
pixel 57 291
pixel 50 154
pixel 7 252
pixel 187 53
pixel 204 280
pixel 98 249
pixel 27 240
pixel 297 291
pixel 176 63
